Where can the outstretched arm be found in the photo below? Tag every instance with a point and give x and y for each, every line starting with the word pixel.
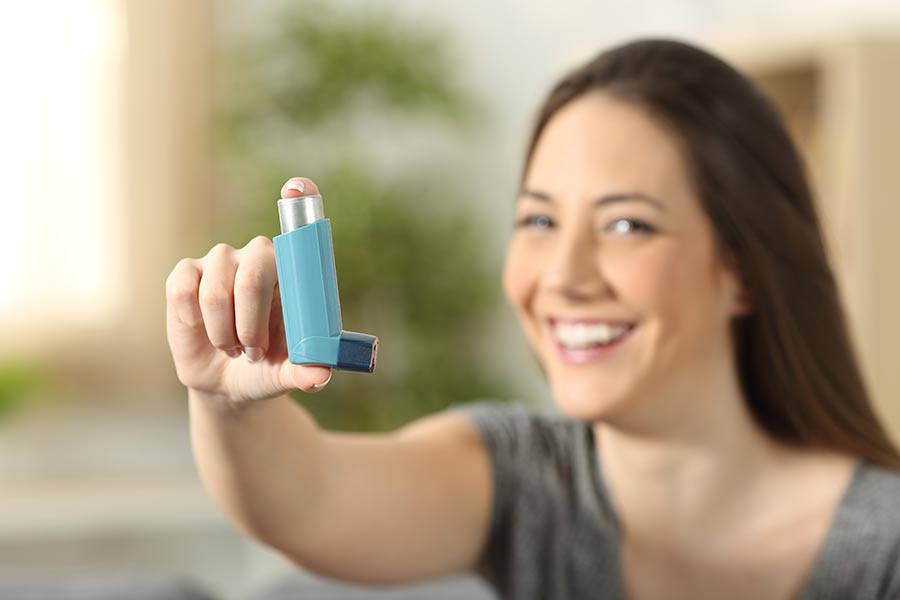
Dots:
pixel 368 508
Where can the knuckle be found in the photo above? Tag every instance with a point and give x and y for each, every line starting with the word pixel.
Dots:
pixel 178 292
pixel 259 250
pixel 250 334
pixel 251 281
pixel 222 336
pixel 219 250
pixel 179 287
pixel 215 294
pixel 183 265
pixel 178 272
pixel 260 241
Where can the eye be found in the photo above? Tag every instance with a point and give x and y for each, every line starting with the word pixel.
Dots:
pixel 627 226
pixel 535 221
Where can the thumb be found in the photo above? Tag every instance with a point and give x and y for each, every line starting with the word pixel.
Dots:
pixel 309 378
pixel 299 186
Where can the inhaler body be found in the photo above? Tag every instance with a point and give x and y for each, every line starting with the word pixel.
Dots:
pixel 309 294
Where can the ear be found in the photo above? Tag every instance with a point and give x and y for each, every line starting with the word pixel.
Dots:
pixel 738 296
pixel 742 306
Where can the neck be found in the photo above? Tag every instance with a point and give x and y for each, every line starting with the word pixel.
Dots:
pixel 690 467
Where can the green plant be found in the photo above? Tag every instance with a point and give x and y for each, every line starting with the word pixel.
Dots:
pixel 301 96
pixel 18 380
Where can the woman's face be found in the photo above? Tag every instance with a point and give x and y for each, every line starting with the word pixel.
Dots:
pixel 613 269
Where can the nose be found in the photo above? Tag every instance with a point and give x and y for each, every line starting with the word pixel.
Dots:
pixel 572 268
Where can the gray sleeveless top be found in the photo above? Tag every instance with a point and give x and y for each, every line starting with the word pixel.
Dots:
pixel 553 532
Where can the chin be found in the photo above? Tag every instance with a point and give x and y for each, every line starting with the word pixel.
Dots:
pixel 586 405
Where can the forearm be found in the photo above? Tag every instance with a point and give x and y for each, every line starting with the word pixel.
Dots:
pixel 262 463
pixel 359 507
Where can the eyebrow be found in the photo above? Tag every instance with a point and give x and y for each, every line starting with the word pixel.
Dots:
pixel 600 200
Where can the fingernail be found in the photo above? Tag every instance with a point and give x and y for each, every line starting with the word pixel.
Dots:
pixel 234 352
pixel 319 386
pixel 294 184
pixel 253 353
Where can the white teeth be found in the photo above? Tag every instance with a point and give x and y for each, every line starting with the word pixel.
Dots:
pixel 583 335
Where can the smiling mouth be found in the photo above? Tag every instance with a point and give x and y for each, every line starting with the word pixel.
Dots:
pixel 580 342
pixel 583 335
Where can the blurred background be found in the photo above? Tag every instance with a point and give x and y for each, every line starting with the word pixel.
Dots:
pixel 138 132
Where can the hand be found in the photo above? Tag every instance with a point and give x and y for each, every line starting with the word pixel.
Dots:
pixel 225 325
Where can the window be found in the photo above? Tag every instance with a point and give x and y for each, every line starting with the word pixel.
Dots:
pixel 58 229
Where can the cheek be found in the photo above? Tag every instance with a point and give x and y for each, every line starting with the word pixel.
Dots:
pixel 671 284
pixel 648 279
pixel 674 285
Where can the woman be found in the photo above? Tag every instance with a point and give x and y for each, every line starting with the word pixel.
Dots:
pixel 668 270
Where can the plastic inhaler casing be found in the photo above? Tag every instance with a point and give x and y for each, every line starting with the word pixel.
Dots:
pixel 304 258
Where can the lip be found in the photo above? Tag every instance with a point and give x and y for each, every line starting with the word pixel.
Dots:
pixel 589 321
pixel 593 354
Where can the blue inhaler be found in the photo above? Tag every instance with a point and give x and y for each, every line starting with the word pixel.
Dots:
pixel 309 294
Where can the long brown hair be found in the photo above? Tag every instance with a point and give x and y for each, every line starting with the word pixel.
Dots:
pixel 796 364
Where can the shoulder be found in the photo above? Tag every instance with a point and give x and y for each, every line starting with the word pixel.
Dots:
pixel 525 435
pixel 542 463
pixel 866 535
pixel 878 487
pixel 552 531
pixel 872 502
pixel 874 497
